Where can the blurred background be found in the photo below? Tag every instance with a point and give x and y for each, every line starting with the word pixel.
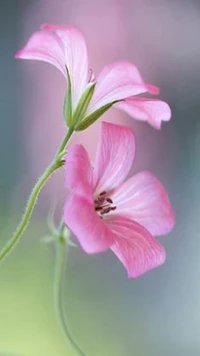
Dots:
pixel 159 313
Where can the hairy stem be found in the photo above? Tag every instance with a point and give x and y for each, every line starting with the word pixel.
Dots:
pixel 57 163
pixel 58 291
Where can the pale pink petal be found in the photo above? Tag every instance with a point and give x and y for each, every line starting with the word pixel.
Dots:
pixel 79 171
pixel 45 46
pixel 61 46
pixel 135 247
pixel 151 110
pixel 91 231
pixel 116 82
pixel 76 57
pixel 114 158
pixel 143 198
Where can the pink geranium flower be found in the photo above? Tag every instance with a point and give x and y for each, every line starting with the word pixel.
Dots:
pixel 104 211
pixel 117 84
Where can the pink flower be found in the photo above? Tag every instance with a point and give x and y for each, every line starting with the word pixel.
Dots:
pixel 105 212
pixel 117 84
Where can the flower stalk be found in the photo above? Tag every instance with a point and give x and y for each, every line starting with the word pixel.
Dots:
pixel 56 164
pixel 62 247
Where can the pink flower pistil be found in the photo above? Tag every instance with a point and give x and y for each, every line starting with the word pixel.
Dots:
pixel 105 211
pixel 117 84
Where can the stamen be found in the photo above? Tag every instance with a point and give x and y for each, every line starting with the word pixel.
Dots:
pixel 105 211
pixel 101 200
pixel 109 200
pixel 103 204
pixel 91 75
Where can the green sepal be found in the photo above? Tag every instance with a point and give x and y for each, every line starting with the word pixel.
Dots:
pixel 82 106
pixel 89 120
pixel 67 108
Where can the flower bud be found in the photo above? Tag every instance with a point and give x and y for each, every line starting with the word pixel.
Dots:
pixel 75 118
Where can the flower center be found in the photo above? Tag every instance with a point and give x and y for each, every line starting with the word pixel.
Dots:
pixel 103 204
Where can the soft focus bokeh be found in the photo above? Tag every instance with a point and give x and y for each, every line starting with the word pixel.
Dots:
pixel 159 313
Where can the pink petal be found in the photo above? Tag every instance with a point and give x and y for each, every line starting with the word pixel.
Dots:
pixel 117 81
pixel 76 56
pixel 152 89
pixel 135 247
pixel 114 158
pixel 150 110
pixel 61 46
pixel 79 171
pixel 44 46
pixel 91 231
pixel 143 198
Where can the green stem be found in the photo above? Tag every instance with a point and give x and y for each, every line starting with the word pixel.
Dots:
pixel 58 291
pixel 57 163
pixel 65 141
